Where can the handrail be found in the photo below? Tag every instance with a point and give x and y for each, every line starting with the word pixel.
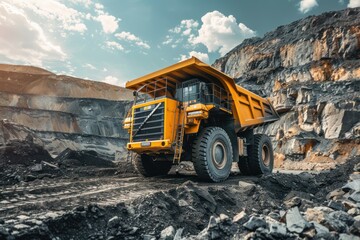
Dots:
pixel 152 89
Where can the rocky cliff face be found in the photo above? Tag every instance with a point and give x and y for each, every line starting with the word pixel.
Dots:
pixel 311 71
pixel 61 112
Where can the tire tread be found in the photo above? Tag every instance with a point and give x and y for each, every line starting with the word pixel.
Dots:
pixel 254 160
pixel 199 154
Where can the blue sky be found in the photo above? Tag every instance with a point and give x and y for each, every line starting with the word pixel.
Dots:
pixel 117 40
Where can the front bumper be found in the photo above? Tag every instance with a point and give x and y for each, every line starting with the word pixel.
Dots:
pixel 150 146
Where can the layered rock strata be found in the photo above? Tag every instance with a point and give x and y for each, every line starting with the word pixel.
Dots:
pixel 310 69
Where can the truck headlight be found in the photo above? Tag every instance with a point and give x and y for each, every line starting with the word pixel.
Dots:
pixel 195 113
pixel 127 123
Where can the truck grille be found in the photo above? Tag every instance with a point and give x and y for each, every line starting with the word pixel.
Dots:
pixel 153 128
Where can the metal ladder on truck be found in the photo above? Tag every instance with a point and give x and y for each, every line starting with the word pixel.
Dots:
pixel 179 137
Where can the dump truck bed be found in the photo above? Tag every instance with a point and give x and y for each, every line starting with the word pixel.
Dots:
pixel 248 108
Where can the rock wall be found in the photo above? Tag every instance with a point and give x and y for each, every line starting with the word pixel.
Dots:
pixel 69 115
pixel 56 142
pixel 61 112
pixel 36 81
pixel 311 71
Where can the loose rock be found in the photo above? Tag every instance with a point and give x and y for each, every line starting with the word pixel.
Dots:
pixel 336 205
pixel 254 223
pixel 246 187
pixel 354 185
pixel 277 230
pixel 168 233
pixel 355 196
pixel 294 221
pixel 114 222
pixel 240 217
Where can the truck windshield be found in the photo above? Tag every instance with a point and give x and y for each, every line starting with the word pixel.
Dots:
pixel 191 93
pixel 196 91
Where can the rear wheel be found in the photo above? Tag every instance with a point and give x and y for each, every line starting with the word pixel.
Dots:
pixel 212 154
pixel 260 158
pixel 147 167
pixel 244 165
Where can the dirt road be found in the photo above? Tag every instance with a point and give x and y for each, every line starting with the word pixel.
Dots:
pixel 41 196
pixel 104 205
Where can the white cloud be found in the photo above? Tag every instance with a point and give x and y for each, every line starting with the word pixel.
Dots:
pixel 168 40
pixel 220 33
pixel 129 37
pixel 71 68
pixel 184 29
pixel 109 23
pixel 201 56
pixel 77 27
pixel 189 25
pixel 89 66
pixel 99 6
pixel 112 80
pixel 23 40
pixel 69 18
pixel 307 5
pixel 114 45
pixel 86 3
pixel 142 44
pixel 354 3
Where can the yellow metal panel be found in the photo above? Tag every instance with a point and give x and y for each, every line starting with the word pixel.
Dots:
pixel 154 146
pixel 199 106
pixel 193 128
pixel 134 84
pixel 171 119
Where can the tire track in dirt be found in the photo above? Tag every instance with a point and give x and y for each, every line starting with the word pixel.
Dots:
pixel 52 195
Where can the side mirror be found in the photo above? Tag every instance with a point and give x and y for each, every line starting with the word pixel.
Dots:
pixel 135 93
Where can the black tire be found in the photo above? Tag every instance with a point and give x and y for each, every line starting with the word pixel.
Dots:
pixel 146 166
pixel 212 154
pixel 244 165
pixel 260 156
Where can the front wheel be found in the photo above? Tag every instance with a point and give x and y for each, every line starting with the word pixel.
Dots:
pixel 146 166
pixel 212 154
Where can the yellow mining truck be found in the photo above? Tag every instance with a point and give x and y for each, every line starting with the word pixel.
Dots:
pixel 191 111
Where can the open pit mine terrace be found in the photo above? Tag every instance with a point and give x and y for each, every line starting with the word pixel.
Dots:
pixel 59 137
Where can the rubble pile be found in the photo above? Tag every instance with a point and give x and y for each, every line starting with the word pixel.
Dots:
pixel 23 152
pixel 25 161
pixel 279 206
pixel 302 214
